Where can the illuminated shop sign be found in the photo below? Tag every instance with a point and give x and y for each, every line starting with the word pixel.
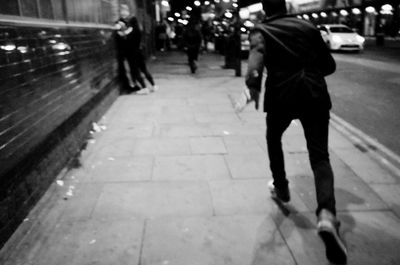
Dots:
pixel 299 6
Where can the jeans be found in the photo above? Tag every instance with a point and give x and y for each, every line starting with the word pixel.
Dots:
pixel 316 126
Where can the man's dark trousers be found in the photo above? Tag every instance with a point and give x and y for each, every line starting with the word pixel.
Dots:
pixel 315 123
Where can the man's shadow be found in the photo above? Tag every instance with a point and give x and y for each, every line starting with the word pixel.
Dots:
pixel 287 219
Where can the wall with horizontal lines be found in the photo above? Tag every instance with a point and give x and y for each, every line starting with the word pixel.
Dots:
pixel 54 81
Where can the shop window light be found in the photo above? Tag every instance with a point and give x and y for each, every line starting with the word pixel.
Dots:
pixel 356 11
pixel 370 9
pixel 386 9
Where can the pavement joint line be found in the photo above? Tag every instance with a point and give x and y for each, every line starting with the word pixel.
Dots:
pixel 379 152
pixel 142 242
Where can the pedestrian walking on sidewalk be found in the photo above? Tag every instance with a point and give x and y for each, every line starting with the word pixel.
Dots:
pixel 297 60
pixel 192 40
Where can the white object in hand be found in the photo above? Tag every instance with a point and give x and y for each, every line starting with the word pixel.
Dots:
pixel 243 100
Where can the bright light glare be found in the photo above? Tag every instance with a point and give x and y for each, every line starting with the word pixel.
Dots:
pixel 207 3
pixel 323 14
pixel 336 38
pixel 370 9
pixel 197 3
pixel 360 39
pixel 314 15
pixel 244 13
pixel 8 47
pixel 188 8
pixel 344 12
pixel 228 15
pixel 248 24
pixel 177 14
pixel 255 8
pixel 243 29
pixel 387 7
pixel 165 3
pixel 356 11
pixel 171 19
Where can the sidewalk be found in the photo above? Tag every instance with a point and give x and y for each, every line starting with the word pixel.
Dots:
pixel 177 178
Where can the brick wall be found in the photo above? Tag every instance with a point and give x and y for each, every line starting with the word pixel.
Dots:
pixel 54 81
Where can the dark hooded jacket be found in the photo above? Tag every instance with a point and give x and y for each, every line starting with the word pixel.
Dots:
pixel 297 60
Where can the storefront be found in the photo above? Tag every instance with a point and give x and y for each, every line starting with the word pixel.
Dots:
pixel 367 17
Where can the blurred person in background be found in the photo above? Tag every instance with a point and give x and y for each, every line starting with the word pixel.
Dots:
pixel 192 41
pixel 127 44
pixel 128 41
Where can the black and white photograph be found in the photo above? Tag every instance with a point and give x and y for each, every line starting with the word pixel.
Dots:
pixel 199 132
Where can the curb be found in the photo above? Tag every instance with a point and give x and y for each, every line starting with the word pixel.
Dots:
pixel 370 146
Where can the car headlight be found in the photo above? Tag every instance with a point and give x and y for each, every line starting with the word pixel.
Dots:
pixel 336 38
pixel 360 39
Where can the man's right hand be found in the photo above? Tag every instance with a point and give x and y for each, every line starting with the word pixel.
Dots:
pixel 246 97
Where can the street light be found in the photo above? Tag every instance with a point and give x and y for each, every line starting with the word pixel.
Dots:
pixel 228 15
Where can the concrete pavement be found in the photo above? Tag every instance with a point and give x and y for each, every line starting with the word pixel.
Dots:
pixel 176 177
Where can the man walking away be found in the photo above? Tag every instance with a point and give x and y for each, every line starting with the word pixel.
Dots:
pixel 297 60
pixel 192 39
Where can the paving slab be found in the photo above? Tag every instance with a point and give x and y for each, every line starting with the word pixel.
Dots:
pixel 185 130
pixel 248 166
pixel 122 169
pixel 194 167
pixel 371 237
pixel 162 146
pixel 218 240
pixel 153 199
pixel 207 145
pixel 242 145
pixel 79 243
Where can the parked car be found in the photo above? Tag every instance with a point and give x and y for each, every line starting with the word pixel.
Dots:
pixel 341 37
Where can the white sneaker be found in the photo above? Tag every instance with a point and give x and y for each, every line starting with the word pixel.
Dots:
pixel 143 91
pixel 154 88
pixel 328 230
